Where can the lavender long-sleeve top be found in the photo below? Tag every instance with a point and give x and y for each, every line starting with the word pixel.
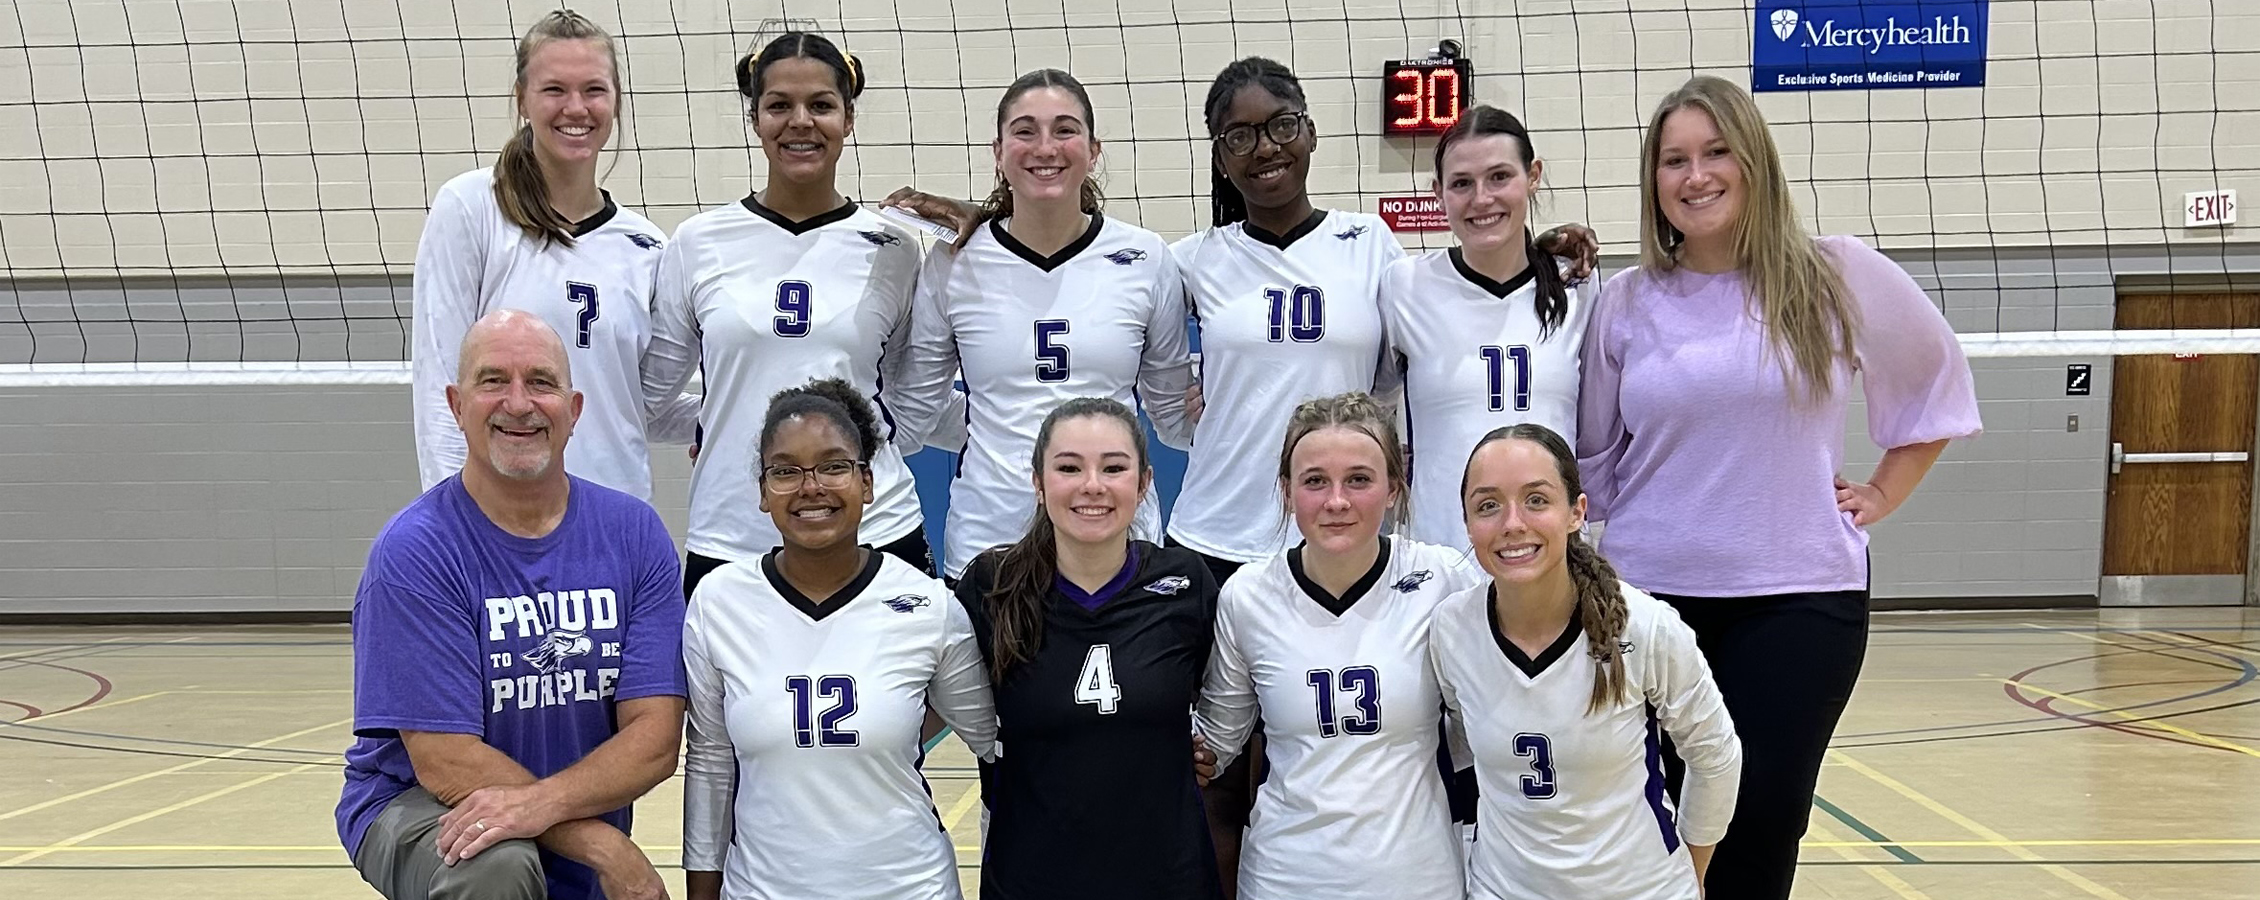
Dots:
pixel 1715 478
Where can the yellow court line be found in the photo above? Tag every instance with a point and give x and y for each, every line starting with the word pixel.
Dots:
pixel 106 704
pixel 1882 875
pixel 2140 720
pixel 1974 827
pixel 964 804
pixel 131 821
pixel 136 779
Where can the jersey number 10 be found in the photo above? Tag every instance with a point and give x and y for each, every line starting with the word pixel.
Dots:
pixel 1304 320
pixel 1496 361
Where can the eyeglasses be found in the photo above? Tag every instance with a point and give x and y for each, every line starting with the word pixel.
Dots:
pixel 831 473
pixel 1284 129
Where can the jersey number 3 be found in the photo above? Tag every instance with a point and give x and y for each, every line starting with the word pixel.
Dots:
pixel 1496 362
pixel 1095 684
pixel 583 296
pixel 1539 784
pixel 822 730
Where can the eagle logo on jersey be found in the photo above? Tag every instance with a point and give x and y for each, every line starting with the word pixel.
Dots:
pixel 1412 582
pixel 1355 232
pixel 906 602
pixel 645 241
pixel 1169 585
pixel 880 238
pixel 1126 256
pixel 550 655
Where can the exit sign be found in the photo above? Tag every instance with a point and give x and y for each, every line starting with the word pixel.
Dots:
pixel 2209 208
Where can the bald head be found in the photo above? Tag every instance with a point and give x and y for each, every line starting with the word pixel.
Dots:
pixel 509 332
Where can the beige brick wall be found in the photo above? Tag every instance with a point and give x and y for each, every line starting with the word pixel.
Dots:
pixel 161 136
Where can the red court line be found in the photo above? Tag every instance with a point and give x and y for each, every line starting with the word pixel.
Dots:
pixel 102 688
pixel 31 712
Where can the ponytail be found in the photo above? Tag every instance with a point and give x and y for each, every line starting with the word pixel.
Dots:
pixel 1551 288
pixel 1601 612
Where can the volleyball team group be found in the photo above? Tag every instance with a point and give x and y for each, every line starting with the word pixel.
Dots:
pixel 1490 577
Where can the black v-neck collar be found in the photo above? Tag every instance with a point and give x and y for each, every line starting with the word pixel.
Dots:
pixel 1530 667
pixel 585 227
pixel 1358 590
pixel 1073 249
pixel 803 226
pixel 1283 241
pixel 813 610
pixel 1494 288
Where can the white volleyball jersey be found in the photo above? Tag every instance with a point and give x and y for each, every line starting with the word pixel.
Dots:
pixel 1103 317
pixel 802 777
pixel 596 294
pixel 1354 806
pixel 1573 803
pixel 1283 319
pixel 1473 360
pixel 759 303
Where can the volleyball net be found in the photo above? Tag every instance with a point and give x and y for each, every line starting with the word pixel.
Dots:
pixel 231 193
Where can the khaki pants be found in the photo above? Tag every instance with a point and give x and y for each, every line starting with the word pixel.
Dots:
pixel 399 856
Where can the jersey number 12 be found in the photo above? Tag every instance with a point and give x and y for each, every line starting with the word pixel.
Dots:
pixel 822 730
pixel 1496 361
pixel 1095 684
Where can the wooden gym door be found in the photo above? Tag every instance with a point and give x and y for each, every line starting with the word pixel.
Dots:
pixel 2177 518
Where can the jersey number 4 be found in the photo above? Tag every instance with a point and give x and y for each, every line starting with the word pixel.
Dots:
pixel 1304 319
pixel 583 296
pixel 812 729
pixel 1496 362
pixel 1095 684
pixel 1362 679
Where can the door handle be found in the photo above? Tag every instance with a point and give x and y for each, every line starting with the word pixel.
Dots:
pixel 2120 457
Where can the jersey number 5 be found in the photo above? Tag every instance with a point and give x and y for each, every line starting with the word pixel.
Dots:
pixel 583 296
pixel 822 730
pixel 1051 356
pixel 793 308
pixel 1095 684
pixel 1539 784
pixel 1362 679
pixel 1496 361
pixel 1304 320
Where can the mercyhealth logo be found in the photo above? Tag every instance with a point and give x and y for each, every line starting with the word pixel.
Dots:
pixel 1942 31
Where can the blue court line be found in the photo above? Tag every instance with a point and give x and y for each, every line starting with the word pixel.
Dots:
pixel 929 746
pixel 1854 823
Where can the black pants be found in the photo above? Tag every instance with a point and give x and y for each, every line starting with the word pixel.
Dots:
pixel 1231 795
pixel 911 548
pixel 1785 665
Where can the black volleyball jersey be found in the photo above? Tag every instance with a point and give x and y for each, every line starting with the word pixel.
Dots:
pixel 1093 795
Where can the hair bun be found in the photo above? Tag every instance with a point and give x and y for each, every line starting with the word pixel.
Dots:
pixel 855 74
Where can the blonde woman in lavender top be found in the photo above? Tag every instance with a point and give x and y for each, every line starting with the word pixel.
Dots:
pixel 1717 377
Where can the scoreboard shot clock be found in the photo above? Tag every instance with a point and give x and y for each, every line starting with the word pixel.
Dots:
pixel 1425 96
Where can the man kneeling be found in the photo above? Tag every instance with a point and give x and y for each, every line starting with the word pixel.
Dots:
pixel 517 657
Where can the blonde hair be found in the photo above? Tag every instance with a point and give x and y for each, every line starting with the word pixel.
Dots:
pixel 1794 289
pixel 1359 412
pixel 519 187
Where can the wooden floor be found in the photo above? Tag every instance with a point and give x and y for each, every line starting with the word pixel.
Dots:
pixel 1999 755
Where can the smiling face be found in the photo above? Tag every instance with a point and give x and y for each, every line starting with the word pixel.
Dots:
pixel 821 504
pixel 802 119
pixel 1486 190
pixel 1044 148
pixel 1339 489
pixel 1271 175
pixel 1519 514
pixel 568 96
pixel 1699 183
pixel 1091 481
pixel 514 398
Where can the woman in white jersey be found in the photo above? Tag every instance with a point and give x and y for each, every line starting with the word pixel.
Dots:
pixel 792 282
pixel 810 671
pixel 1329 639
pixel 1047 299
pixel 534 232
pixel 1570 753
pixel 1488 331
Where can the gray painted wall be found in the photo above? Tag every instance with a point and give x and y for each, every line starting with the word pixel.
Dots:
pixel 254 499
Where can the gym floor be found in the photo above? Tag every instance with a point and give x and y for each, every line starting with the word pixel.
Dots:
pixel 2107 754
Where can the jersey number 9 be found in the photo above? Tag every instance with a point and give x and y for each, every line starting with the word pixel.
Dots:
pixel 1051 356
pixel 793 309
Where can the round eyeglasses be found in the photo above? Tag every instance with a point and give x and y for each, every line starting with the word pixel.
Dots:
pixel 832 474
pixel 1283 129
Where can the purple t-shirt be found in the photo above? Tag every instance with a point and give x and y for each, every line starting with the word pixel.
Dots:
pixel 1715 480
pixel 463 628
